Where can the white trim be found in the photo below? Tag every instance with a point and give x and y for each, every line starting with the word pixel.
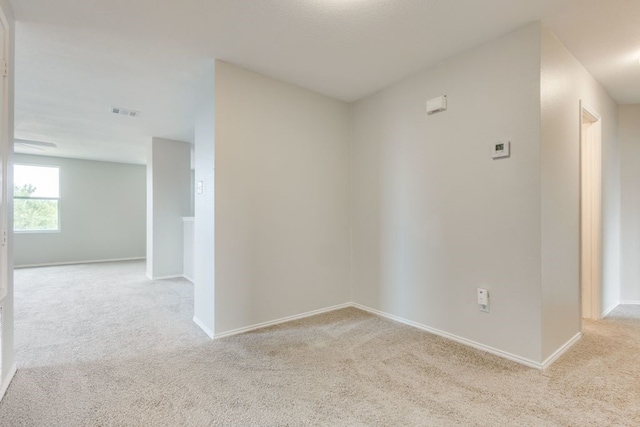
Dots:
pixel 172 276
pixel 188 278
pixel 595 117
pixel 6 192
pixel 522 360
pixel 282 320
pixel 630 302
pixel 559 352
pixel 206 330
pixel 500 353
pixel 7 381
pixel 97 261
pixel 590 144
pixel 608 310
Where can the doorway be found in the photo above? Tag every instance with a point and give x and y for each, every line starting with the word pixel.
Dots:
pixel 590 211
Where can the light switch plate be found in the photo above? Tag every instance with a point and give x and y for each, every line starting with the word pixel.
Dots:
pixel 483 299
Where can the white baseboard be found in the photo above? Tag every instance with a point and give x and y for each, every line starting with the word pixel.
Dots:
pixel 95 261
pixel 606 312
pixel 7 381
pixel 465 341
pixel 630 302
pixel 559 352
pixel 282 320
pixel 171 276
pixel 188 278
pixel 500 353
pixel 206 330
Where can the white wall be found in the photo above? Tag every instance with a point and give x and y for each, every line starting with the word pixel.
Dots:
pixel 102 214
pixel 434 217
pixel 8 355
pixel 629 125
pixel 564 82
pixel 281 197
pixel 204 223
pixel 168 200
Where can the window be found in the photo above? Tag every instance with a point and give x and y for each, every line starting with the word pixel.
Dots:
pixel 36 198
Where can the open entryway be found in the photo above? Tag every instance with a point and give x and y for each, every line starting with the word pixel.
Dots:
pixel 590 211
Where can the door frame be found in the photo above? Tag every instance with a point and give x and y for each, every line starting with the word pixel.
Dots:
pixel 591 158
pixel 7 366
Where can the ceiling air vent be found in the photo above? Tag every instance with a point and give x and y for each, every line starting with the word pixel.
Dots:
pixel 125 112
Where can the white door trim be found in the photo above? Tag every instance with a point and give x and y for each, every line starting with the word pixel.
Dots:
pixel 591 199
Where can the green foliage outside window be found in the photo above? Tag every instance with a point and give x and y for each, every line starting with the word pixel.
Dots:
pixel 33 214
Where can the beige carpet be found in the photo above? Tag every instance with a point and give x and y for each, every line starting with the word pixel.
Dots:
pixel 100 345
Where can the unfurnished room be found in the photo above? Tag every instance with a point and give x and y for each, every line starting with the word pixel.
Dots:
pixel 320 212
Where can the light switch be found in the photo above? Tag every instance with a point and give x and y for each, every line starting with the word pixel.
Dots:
pixel 483 299
pixel 483 296
pixel 200 187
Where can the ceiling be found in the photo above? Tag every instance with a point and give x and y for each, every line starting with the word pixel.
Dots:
pixel 77 58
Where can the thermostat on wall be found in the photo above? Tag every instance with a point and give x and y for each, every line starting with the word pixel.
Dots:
pixel 435 105
pixel 500 149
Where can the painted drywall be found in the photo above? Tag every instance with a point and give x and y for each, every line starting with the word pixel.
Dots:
pixel 8 355
pixel 629 127
pixel 282 199
pixel 434 216
pixel 102 214
pixel 564 82
pixel 204 221
pixel 168 200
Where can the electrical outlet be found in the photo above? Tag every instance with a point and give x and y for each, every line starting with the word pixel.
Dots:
pixel 483 300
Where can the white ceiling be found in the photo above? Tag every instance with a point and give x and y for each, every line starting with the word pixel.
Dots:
pixel 76 58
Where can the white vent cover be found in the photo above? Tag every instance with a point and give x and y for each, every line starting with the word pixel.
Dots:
pixel 125 112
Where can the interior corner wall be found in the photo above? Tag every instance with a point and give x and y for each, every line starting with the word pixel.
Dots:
pixel 564 82
pixel 435 217
pixel 102 214
pixel 629 128
pixel 168 200
pixel 282 199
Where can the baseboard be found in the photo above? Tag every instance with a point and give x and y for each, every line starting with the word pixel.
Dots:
pixel 206 330
pixel 188 278
pixel 465 341
pixel 630 302
pixel 172 276
pixel 559 352
pixel 608 310
pixel 500 353
pixel 96 261
pixel 7 381
pixel 282 320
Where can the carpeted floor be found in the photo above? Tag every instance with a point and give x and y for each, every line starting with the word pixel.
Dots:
pixel 99 345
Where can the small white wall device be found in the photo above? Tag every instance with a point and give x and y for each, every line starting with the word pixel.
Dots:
pixel 435 105
pixel 500 149
pixel 483 299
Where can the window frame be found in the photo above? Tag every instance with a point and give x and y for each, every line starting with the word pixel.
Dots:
pixel 59 229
